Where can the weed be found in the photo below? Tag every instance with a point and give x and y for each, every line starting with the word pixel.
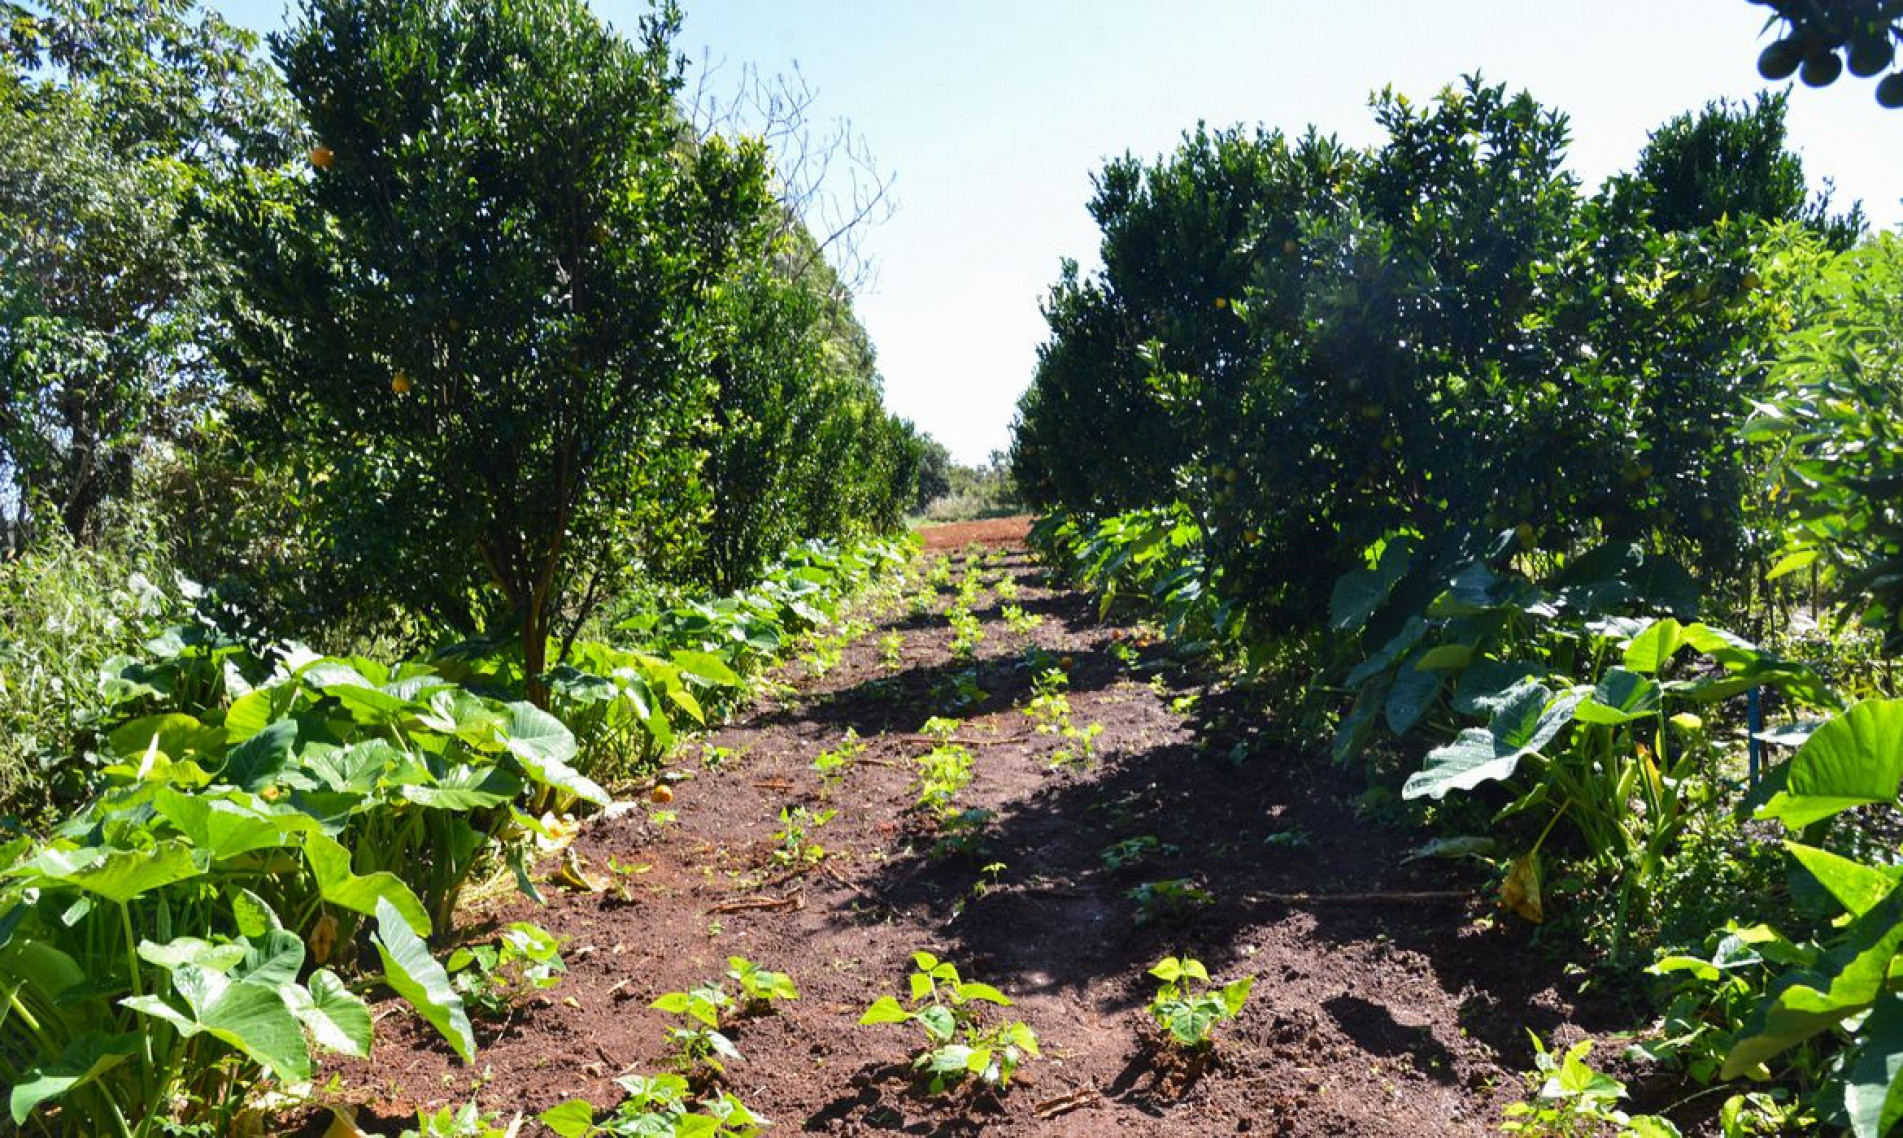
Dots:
pixel 959 1044
pixel 1186 1006
pixel 892 650
pixel 943 771
pixel 1020 622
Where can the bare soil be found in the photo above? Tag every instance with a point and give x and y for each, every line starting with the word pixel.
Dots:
pixel 1387 1001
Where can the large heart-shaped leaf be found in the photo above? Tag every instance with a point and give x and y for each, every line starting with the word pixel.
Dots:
pixel 337 1018
pixel 1873 1089
pixel 1854 760
pixel 366 893
pixel 260 760
pixel 115 874
pixel 1846 982
pixel 82 1061
pixel 1527 720
pixel 249 1013
pixel 415 975
pixel 544 746
pixel 1620 697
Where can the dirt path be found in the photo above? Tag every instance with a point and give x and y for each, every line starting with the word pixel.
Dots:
pixel 1368 1017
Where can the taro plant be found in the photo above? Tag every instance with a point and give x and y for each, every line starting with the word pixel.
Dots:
pixel 959 1044
pixel 491 978
pixel 1187 1008
pixel 697 1040
pixel 656 1106
pixel 759 987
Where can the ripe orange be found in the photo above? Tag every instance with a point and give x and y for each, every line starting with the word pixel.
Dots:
pixel 661 795
pixel 1066 662
pixel 321 156
pixel 400 383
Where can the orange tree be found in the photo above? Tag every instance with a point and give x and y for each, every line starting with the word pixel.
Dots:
pixel 477 323
pixel 1438 340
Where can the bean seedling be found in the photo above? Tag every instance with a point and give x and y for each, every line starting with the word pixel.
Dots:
pixel 1186 1006
pixel 959 1044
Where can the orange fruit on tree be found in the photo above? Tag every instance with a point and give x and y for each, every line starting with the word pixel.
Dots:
pixel 322 157
pixel 400 383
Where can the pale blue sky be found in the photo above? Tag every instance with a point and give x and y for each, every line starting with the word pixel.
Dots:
pixel 994 113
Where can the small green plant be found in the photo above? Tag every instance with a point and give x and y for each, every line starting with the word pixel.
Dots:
pixel 1293 838
pixel 795 849
pixel 465 1121
pixel 1186 1006
pixel 1006 587
pixel 967 632
pixel 1570 1098
pixel 959 690
pixel 1172 899
pixel 964 833
pixel 1121 855
pixel 698 1041
pixel 943 771
pixel 1020 622
pixel 939 575
pixel 491 978
pixel 621 878
pixel 892 650
pixel 759 987
pixel 958 1043
pixel 656 1106
pixel 832 765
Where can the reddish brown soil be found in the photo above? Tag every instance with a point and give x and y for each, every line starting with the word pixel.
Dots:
pixel 1369 1017
pixel 994 532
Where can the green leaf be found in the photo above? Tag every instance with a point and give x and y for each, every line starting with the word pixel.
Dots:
pixel 82 1061
pixel 1856 759
pixel 465 787
pixel 544 746
pixel 179 736
pixel 416 976
pixel 1846 982
pixel 1873 1086
pixel 1654 648
pixel 250 1014
pixel 1236 993
pixel 572 1119
pixel 117 875
pixel 220 828
pixel 707 667
pixel 1413 692
pixel 260 760
pixel 1621 697
pixel 1527 720
pixel 367 893
pixel 1169 970
pixel 886 1010
pixel 1445 658
pixel 1359 594
pixel 938 1021
pixel 1792 562
pixel 970 990
pixel 336 1017
pixel 1854 885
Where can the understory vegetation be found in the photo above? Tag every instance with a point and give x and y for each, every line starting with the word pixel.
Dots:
pixel 1566 518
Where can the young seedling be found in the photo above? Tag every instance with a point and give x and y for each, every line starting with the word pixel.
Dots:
pixel 759 987
pixel 1119 856
pixel 795 850
pixel 892 650
pixel 490 978
pixel 656 1106
pixel 1020 622
pixel 832 765
pixel 1169 900
pixel 698 1041
pixel 958 1043
pixel 943 771
pixel 1186 1006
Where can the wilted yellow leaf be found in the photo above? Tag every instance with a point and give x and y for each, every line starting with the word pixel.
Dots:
pixel 1521 891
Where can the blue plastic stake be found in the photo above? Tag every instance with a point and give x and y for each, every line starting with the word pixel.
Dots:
pixel 1754 724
